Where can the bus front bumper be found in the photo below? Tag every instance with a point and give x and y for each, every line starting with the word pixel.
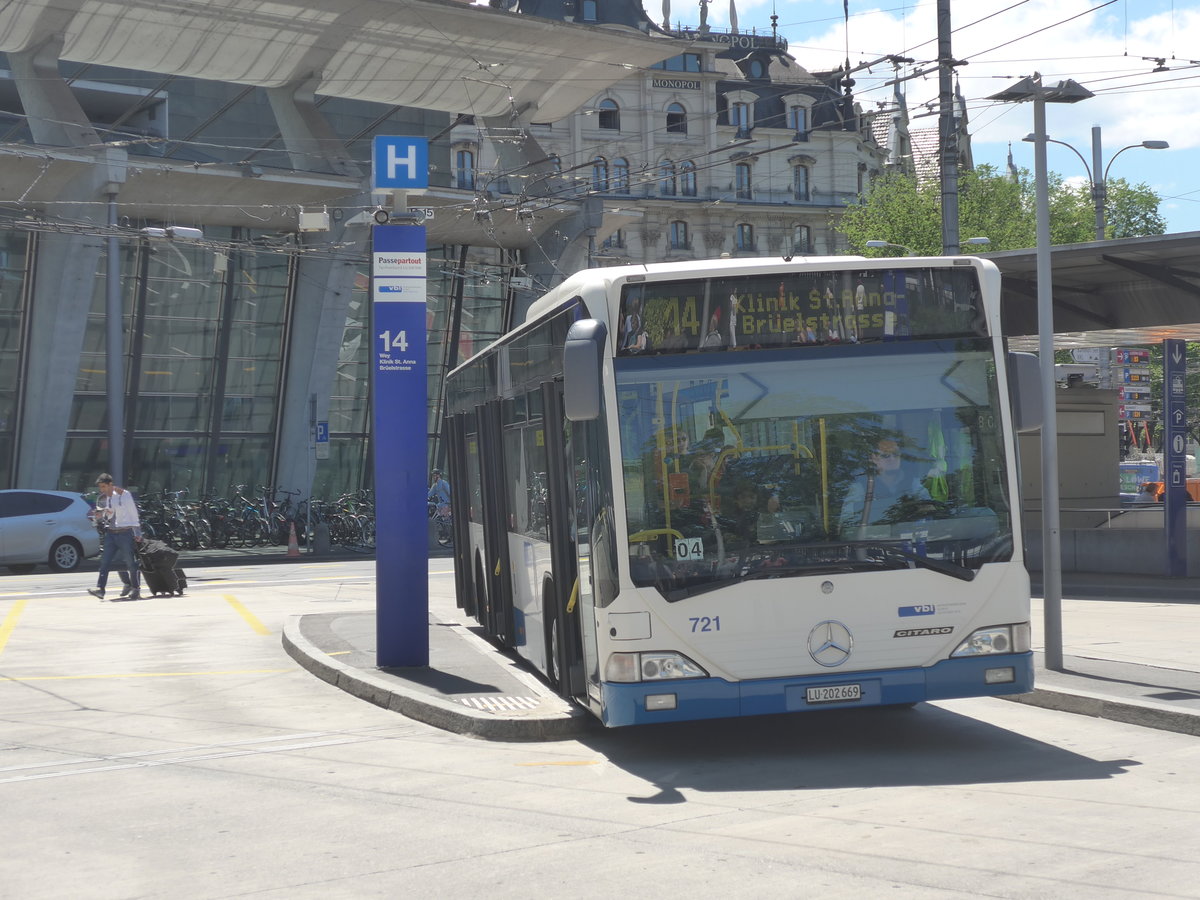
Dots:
pixel 714 698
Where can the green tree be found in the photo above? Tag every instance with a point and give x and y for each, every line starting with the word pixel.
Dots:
pixel 992 205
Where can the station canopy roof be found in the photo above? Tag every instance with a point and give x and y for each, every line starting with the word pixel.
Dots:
pixel 1134 292
pixel 426 54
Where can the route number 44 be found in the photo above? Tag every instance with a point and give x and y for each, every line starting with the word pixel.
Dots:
pixel 398 342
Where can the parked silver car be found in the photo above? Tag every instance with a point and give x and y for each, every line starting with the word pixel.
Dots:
pixel 45 527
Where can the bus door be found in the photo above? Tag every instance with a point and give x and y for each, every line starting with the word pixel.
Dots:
pixel 497 614
pixel 590 478
pixel 563 621
pixel 460 497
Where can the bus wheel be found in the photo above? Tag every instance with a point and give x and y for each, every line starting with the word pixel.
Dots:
pixel 480 592
pixel 550 617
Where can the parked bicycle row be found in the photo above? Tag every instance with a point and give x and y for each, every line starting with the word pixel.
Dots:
pixel 265 517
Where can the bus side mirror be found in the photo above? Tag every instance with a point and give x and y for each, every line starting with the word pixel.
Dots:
pixel 583 357
pixel 1025 391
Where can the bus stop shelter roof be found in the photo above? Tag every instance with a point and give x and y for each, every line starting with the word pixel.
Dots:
pixel 426 54
pixel 1130 292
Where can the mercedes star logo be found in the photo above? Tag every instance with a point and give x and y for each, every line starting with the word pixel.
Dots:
pixel 830 643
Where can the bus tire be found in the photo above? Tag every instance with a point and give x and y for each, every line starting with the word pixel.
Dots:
pixel 553 650
pixel 480 592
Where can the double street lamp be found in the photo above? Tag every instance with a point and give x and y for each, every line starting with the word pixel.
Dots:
pixel 1099 182
pixel 1032 89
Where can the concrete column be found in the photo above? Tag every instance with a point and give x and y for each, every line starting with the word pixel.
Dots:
pixel 65 268
pixel 311 144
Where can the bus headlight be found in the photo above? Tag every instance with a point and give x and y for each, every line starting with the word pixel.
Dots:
pixel 996 639
pixel 657 666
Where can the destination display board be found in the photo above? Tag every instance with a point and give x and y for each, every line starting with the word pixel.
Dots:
pixel 805 307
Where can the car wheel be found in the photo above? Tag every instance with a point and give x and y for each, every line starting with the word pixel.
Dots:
pixel 22 569
pixel 65 555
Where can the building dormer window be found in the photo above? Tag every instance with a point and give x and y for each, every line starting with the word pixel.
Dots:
pixel 684 62
pixel 739 115
pixel 676 119
pixel 609 115
pixel 797 121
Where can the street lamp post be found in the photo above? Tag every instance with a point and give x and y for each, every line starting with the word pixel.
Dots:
pixel 879 245
pixel 1098 176
pixel 1064 92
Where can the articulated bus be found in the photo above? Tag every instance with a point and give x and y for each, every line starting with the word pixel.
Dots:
pixel 747 486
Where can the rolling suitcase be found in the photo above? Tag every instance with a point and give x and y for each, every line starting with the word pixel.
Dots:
pixel 165 581
pixel 158 568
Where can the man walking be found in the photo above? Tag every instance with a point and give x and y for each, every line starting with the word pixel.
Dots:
pixel 117 518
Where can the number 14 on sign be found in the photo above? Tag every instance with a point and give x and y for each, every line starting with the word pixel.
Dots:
pixel 397 342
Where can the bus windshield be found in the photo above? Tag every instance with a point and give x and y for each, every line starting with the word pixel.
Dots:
pixel 753 465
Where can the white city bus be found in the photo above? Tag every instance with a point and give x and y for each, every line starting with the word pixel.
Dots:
pixel 747 486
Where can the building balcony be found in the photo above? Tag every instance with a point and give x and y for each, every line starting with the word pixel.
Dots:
pixel 769 197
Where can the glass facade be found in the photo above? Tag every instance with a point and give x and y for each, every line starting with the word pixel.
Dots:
pixel 204 336
pixel 207 325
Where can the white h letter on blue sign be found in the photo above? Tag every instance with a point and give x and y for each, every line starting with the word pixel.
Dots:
pixel 400 163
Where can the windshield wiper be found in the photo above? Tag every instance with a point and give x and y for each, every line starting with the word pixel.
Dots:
pixel 760 572
pixel 889 556
pixel 941 566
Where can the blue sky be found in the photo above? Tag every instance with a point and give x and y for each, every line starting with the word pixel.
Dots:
pixel 1111 47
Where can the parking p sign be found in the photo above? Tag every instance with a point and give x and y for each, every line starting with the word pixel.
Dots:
pixel 400 163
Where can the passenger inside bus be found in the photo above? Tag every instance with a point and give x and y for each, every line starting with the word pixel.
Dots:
pixel 755 517
pixel 888 492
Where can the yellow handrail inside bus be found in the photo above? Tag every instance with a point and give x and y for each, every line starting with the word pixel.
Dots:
pixel 651 533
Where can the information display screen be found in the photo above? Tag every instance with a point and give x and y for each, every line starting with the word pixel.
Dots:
pixel 803 307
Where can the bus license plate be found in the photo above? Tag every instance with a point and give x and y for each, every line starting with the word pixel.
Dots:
pixel 833 693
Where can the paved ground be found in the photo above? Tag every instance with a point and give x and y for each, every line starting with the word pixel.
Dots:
pixel 1129 654
pixel 1129 650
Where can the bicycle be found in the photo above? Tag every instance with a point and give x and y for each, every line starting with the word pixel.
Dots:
pixel 443 523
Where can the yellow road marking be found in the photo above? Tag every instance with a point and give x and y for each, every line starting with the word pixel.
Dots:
pixel 10 622
pixel 251 619
pixel 564 762
pixel 339 652
pixel 151 674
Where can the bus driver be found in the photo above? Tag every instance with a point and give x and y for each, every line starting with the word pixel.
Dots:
pixel 871 500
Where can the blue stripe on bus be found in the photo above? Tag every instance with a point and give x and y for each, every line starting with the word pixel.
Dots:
pixel 715 698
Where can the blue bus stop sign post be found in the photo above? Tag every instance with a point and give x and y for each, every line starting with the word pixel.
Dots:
pixel 401 486
pixel 1175 455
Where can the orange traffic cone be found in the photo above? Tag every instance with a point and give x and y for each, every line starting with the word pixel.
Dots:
pixel 293 544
